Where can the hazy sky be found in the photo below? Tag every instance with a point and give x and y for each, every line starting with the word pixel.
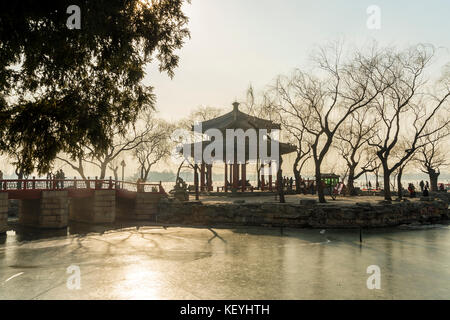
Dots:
pixel 238 42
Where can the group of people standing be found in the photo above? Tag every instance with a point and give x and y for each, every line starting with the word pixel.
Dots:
pixel 59 177
pixel 287 183
pixel 424 188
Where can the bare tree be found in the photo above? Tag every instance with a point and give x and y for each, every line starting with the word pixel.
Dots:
pixel 407 110
pixel 114 167
pixel 321 104
pixel 397 154
pixel 296 135
pixel 375 167
pixel 156 145
pixel 351 143
pixel 122 143
pixel 432 157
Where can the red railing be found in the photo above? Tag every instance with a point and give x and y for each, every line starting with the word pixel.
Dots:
pixel 94 184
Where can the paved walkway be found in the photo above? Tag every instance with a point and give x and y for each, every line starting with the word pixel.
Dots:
pixel 340 200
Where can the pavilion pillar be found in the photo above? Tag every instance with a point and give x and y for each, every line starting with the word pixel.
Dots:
pixel 244 176
pixel 202 177
pixel 196 181
pixel 225 186
pixel 231 175
pixel 235 175
pixel 209 182
pixel 270 177
pixel 279 180
pixel 263 183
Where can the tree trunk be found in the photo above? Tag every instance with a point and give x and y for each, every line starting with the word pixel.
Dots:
pixel 146 173
pixel 319 185
pixel 102 171
pixel 258 175
pixel 296 173
pixel 387 183
pixel 351 186
pixel 399 183
pixel 433 179
pixel 116 174
pixel 297 181
pixel 80 170
pixel 351 181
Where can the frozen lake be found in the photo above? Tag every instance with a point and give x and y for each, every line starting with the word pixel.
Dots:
pixel 152 262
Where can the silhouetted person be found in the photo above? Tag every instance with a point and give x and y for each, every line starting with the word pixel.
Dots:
pixel 62 176
pixel 56 178
pixel 19 183
pixel 422 185
pixel 312 188
pixel 427 185
pixel 48 183
pixel 441 187
pixel 425 192
pixel 412 191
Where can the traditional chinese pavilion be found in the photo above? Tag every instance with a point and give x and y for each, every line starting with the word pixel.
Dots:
pixel 235 172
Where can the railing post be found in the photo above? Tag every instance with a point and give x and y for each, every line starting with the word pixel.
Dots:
pixel 74 182
pixel 110 182
pixel 34 183
pixel 25 184
pixel 96 183
pixel 89 182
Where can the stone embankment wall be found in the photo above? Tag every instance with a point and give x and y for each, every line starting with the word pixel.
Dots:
pixel 444 196
pixel 100 208
pixel 104 206
pixel 307 215
pixel 146 206
pixel 51 211
pixel 54 209
pixel 143 208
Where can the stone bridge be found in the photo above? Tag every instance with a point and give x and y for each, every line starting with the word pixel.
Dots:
pixel 52 203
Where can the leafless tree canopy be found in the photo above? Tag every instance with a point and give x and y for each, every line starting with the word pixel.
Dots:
pixel 411 109
pixel 352 144
pixel 320 101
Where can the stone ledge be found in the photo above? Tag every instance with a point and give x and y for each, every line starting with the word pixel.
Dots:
pixel 295 215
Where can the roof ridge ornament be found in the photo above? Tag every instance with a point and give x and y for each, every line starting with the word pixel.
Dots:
pixel 235 109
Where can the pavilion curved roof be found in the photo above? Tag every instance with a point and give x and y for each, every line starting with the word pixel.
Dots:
pixel 284 148
pixel 238 120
